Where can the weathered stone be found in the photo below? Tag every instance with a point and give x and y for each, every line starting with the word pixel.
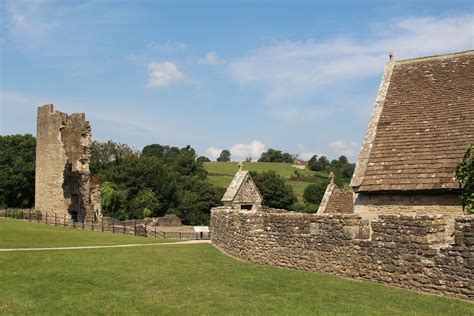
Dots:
pixel 63 181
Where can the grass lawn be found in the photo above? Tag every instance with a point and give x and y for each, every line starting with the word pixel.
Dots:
pixel 18 234
pixel 221 173
pixel 182 280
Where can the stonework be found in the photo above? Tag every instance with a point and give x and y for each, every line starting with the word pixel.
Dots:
pixel 400 250
pixel 242 193
pixel 63 181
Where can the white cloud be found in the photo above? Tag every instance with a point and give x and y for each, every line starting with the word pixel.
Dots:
pixel 169 47
pixel 164 74
pixel 350 149
pixel 213 152
pixel 239 152
pixel 211 58
pixel 291 70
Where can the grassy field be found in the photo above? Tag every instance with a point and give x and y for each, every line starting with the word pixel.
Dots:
pixel 181 280
pixel 221 173
pixel 18 234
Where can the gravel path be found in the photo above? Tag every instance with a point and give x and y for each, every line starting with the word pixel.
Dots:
pixel 187 242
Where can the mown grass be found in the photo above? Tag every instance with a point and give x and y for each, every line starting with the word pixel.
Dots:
pixel 186 280
pixel 22 234
pixel 221 173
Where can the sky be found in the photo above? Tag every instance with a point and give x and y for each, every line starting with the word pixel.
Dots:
pixel 299 76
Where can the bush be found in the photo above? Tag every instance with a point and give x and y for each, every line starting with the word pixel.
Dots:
pixel 275 192
pixel 465 175
pixel 313 194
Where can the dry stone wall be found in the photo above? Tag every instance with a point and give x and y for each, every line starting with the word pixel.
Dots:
pixel 408 251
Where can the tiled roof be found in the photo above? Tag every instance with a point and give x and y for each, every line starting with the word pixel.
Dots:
pixel 426 122
pixel 340 201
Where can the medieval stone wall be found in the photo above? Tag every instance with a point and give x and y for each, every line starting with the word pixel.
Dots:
pixel 63 181
pixel 399 250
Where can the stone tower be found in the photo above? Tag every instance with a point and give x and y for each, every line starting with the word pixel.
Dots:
pixel 63 180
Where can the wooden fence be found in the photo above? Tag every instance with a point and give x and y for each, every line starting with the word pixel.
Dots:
pixel 110 225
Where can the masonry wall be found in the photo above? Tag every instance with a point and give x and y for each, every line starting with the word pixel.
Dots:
pixel 63 182
pixel 399 250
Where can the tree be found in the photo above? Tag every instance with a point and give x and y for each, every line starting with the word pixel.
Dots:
pixel 105 154
pixel 272 155
pixel 320 164
pixel 224 156
pixel 275 192
pixel 202 159
pixel 465 175
pixel 313 193
pixel 17 170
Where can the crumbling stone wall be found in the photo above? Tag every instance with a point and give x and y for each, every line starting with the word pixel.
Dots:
pixel 63 180
pixel 400 250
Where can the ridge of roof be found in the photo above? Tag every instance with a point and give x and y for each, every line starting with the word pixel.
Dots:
pixel 434 57
pixel 235 185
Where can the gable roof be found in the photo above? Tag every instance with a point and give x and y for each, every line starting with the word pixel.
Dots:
pixel 241 177
pixel 422 121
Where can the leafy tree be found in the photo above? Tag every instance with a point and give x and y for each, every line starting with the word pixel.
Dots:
pixel 318 164
pixel 273 155
pixel 304 207
pixel 224 156
pixel 136 174
pixel 275 192
pixel 163 152
pixel 105 154
pixel 196 197
pixel 314 192
pixel 111 201
pixel 144 204
pixel 202 159
pixel 465 175
pixel 17 170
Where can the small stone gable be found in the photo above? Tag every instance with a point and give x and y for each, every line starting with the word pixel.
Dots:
pixel 335 200
pixel 242 192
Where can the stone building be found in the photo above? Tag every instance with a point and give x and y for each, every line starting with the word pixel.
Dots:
pixel 63 181
pixel 336 200
pixel 421 122
pixel 242 193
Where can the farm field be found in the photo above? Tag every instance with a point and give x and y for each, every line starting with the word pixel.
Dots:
pixel 180 280
pixel 221 173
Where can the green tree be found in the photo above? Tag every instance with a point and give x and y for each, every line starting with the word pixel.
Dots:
pixel 17 170
pixel 144 204
pixel 318 164
pixel 275 192
pixel 202 159
pixel 273 155
pixel 105 154
pixel 465 175
pixel 111 200
pixel 313 193
pixel 224 156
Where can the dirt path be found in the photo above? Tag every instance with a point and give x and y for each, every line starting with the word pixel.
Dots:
pixel 188 242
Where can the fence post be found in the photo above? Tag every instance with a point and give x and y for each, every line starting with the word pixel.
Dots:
pixel 134 228
pixel 22 214
pixel 155 231
pixel 82 224
pixel 73 223
pixel 29 215
pixel 55 216
pixel 124 228
pixel 146 232
pixel 102 223
pixel 179 235
pixel 64 220
pixel 38 216
pixel 164 235
pixel 46 218
pixel 92 224
pixel 113 226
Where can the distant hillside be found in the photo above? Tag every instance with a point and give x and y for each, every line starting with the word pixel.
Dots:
pixel 221 173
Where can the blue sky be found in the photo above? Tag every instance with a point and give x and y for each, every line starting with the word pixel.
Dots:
pixel 300 76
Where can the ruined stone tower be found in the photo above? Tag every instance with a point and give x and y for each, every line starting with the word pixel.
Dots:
pixel 63 180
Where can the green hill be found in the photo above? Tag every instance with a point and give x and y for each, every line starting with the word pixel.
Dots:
pixel 221 173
